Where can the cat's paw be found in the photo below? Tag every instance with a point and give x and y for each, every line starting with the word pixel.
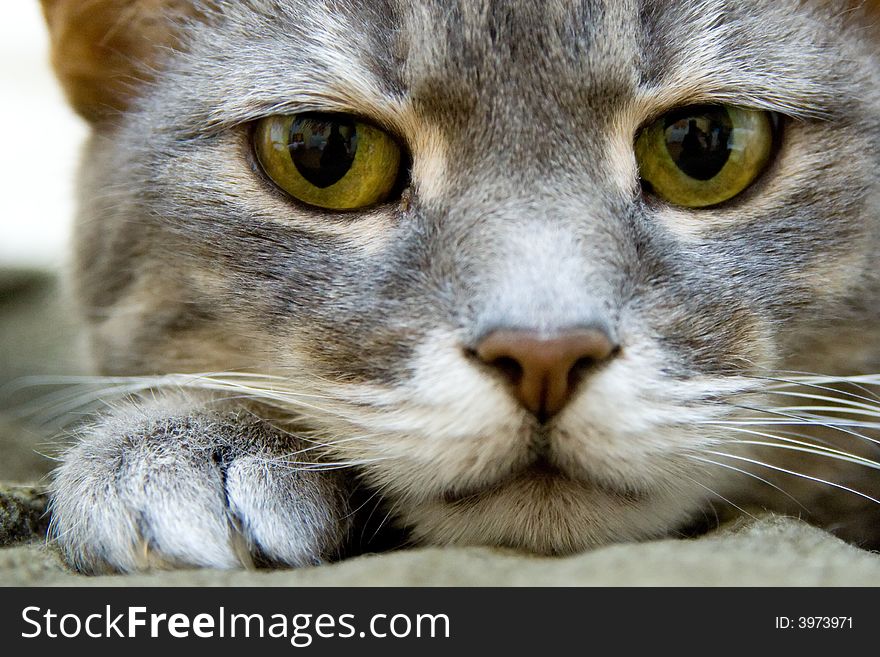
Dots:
pixel 148 488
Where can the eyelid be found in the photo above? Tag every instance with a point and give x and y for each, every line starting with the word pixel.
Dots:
pixel 777 118
pixel 389 121
pixel 389 130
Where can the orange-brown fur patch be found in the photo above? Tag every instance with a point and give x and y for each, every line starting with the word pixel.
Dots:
pixel 102 50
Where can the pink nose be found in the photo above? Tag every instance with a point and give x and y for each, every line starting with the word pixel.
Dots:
pixel 544 372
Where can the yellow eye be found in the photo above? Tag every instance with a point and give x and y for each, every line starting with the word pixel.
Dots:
pixel 705 154
pixel 328 160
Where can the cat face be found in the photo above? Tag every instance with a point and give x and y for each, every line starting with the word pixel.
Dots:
pixel 521 215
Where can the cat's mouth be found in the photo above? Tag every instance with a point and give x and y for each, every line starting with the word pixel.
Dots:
pixel 541 472
pixel 543 509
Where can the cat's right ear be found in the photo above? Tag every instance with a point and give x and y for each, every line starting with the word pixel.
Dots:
pixel 104 51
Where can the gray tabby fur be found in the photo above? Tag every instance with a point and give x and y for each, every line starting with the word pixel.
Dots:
pixel 524 211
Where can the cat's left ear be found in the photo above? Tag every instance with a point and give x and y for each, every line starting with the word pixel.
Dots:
pixel 103 51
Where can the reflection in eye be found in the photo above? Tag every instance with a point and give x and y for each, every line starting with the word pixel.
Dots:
pixel 699 145
pixel 323 151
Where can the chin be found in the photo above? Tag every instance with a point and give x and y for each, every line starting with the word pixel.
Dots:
pixel 547 513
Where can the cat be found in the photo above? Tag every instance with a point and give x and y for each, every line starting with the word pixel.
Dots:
pixel 525 273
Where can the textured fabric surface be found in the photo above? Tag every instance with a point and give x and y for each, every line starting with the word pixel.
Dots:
pixel 768 551
pixel 35 338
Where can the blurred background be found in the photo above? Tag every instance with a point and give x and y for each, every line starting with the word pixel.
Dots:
pixel 42 138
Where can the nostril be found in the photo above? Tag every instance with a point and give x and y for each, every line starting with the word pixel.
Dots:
pixel 509 368
pixel 580 369
pixel 583 366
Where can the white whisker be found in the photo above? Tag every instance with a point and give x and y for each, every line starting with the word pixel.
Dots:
pixel 720 496
pixel 804 383
pixel 306 466
pixel 88 393
pixel 750 474
pixel 827 409
pixel 849 403
pixel 812 420
pixel 809 446
pixel 796 474
pixel 815 450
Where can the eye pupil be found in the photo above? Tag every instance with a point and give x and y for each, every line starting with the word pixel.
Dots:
pixel 322 148
pixel 698 141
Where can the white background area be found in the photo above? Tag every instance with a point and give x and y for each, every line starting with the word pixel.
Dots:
pixel 41 139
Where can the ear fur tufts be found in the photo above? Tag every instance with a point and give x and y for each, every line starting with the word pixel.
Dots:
pixel 103 51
